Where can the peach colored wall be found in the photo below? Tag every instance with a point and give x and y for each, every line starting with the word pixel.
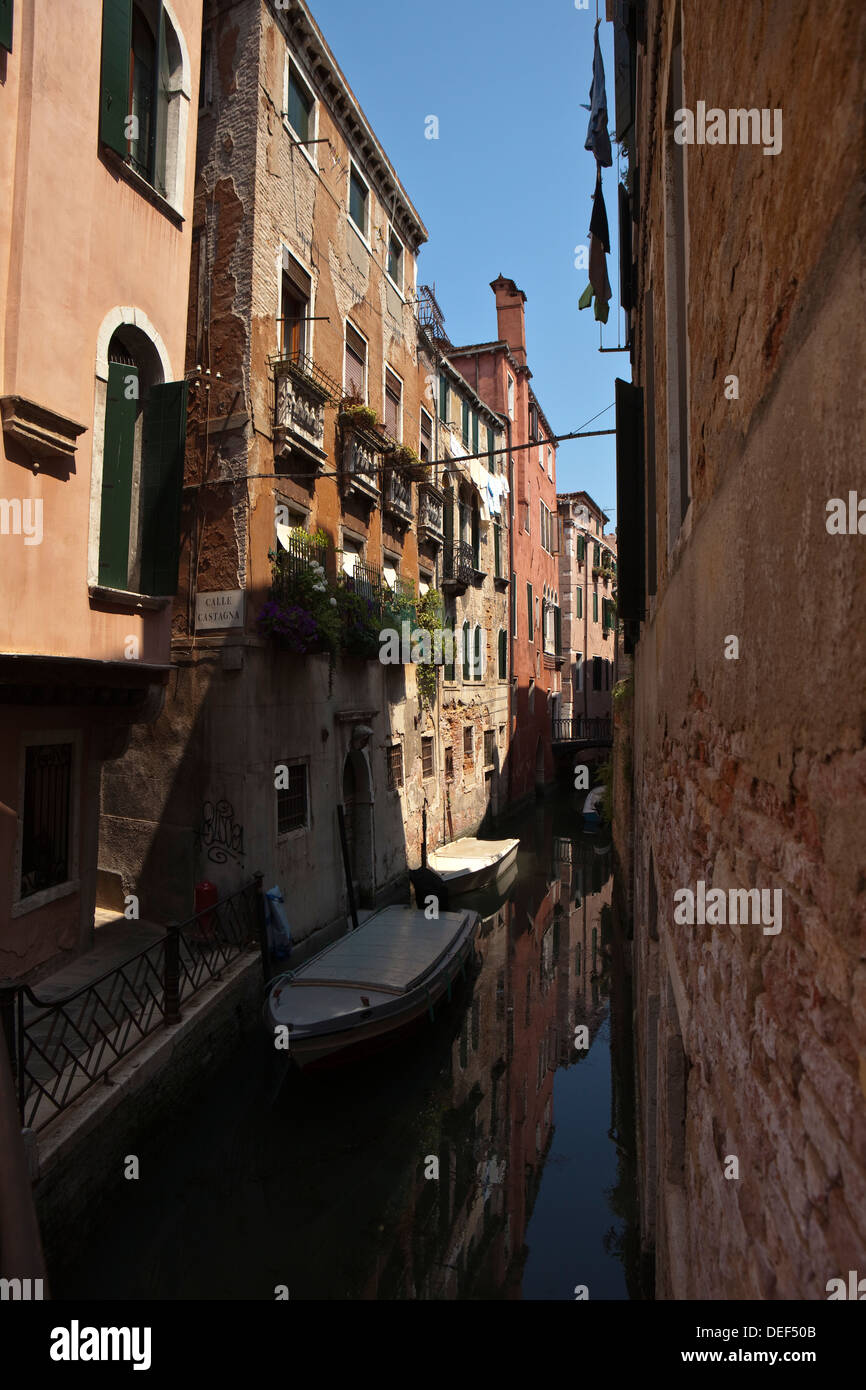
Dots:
pixel 79 242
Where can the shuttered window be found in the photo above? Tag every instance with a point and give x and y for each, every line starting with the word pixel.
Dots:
pixel 581 549
pixel 121 410
pixel 425 448
pixel 443 397
pixel 465 430
pixel 467 652
pixel 529 608
pixel 513 604
pixel 475 449
pixel 477 672
pixel 557 631
pixel 497 549
pixel 299 105
pixel 162 448
pixel 503 654
pixel 393 404
pixel 491 445
pixel 359 195
pixel 6 25
pixel 356 364
pixel 115 75
pixel 579 595
pixel 595 607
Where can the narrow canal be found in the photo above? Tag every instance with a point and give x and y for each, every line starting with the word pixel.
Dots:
pixel 487 1158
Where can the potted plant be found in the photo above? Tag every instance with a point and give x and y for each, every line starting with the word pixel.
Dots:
pixel 353 413
pixel 406 458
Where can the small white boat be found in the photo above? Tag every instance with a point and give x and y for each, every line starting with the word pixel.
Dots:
pixel 592 809
pixel 467 864
pixel 373 982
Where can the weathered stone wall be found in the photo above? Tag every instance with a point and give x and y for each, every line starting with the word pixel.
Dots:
pixel 750 772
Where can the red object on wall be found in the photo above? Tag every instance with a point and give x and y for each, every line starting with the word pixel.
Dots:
pixel 206 897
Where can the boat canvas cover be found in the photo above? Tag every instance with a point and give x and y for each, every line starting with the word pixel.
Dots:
pixel 392 950
pixel 473 852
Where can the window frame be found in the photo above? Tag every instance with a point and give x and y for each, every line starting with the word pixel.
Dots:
pixel 365 233
pixel 386 369
pixel 347 323
pixel 290 63
pixel 393 234
pixel 281 836
pixel 394 746
pixel 20 907
pixel 422 414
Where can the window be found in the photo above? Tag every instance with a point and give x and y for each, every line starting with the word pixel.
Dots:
pixel 299 105
pixel 443 397
pixel 425 446
pixel 497 550
pixel 390 569
pixel 292 801
pixel 295 298
pixel 513 604
pixel 489 747
pixel 468 743
pixel 205 84
pixel 142 88
pixel 475 448
pixel 502 735
pixel 579 602
pixel 581 549
pixel 449 764
pixel 395 259
pixel 475 534
pixel 595 606
pixel 527 519
pixel 550 463
pixel 449 643
pixel 596 554
pixel 510 380
pixel 394 756
pixel 491 446
pixel 578 672
pixel 393 405
pixel 355 374
pixel 142 470
pixel 467 652
pixel 426 758
pixel 596 673
pixel 478 659
pixel 503 654
pixel 541 453
pixel 529 609
pixel 465 429
pixel 359 201
pixel 46 823
pixel 352 551
pixel 531 700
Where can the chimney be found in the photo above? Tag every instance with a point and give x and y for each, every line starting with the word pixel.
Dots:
pixel 510 325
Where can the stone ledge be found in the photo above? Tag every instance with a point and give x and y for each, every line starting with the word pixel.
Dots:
pixel 42 432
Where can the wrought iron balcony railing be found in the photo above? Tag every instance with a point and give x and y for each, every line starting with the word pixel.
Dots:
pixel 458 566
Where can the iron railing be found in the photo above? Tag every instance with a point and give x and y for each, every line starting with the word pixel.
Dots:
pixel 299 554
pixel 308 372
pixel 458 563
pixel 581 729
pixel 60 1048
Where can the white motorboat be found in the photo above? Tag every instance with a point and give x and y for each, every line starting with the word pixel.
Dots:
pixel 466 864
pixel 373 982
pixel 592 809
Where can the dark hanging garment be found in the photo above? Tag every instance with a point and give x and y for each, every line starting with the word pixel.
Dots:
pixel 599 246
pixel 597 138
pixel 598 222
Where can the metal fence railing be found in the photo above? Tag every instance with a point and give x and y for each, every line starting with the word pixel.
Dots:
pixel 60 1048
pixel 581 729
pixel 295 554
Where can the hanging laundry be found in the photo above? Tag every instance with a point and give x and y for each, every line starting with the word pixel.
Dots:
pixel 599 247
pixel 597 138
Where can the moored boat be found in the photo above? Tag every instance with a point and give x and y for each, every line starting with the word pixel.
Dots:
pixel 372 983
pixel 464 865
pixel 592 809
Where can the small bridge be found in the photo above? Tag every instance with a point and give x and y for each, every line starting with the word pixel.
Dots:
pixel 581 732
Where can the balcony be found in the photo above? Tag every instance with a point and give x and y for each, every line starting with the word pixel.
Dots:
pixel 398 496
pixel 431 525
pixel 361 452
pixel 458 568
pixel 302 390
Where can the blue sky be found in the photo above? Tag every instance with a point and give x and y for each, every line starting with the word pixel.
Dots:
pixel 507 187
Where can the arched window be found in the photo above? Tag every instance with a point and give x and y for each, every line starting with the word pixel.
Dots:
pixel 478 663
pixel 145 92
pixel 142 469
pixel 467 653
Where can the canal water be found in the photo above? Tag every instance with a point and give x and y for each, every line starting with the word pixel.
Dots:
pixel 488 1157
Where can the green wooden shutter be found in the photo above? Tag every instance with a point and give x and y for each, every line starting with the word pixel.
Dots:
pixel 117 461
pixel 581 549
pixel 477 657
pixel 465 423
pixel 595 607
pixel 467 655
pixel 6 25
pixel 513 604
pixel 443 397
pixel 491 445
pixel 162 446
pixel 557 631
pixel 496 550
pixel 503 654
pixel 476 539
pixel 114 80
pixel 475 449
pixel 580 602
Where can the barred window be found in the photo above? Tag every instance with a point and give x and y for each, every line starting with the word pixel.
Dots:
pixel 46 822
pixel 489 746
pixel 426 757
pixel 394 755
pixel 292 801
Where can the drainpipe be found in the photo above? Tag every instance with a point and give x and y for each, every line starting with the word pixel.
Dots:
pixel 586 567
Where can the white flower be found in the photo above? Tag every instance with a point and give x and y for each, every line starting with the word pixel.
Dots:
pixel 333 602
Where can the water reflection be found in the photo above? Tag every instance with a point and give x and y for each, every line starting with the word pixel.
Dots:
pixel 328 1183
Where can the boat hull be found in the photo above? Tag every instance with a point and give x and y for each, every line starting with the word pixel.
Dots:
pixel 452 883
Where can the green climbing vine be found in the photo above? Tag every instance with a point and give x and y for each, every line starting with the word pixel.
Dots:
pixel 430 618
